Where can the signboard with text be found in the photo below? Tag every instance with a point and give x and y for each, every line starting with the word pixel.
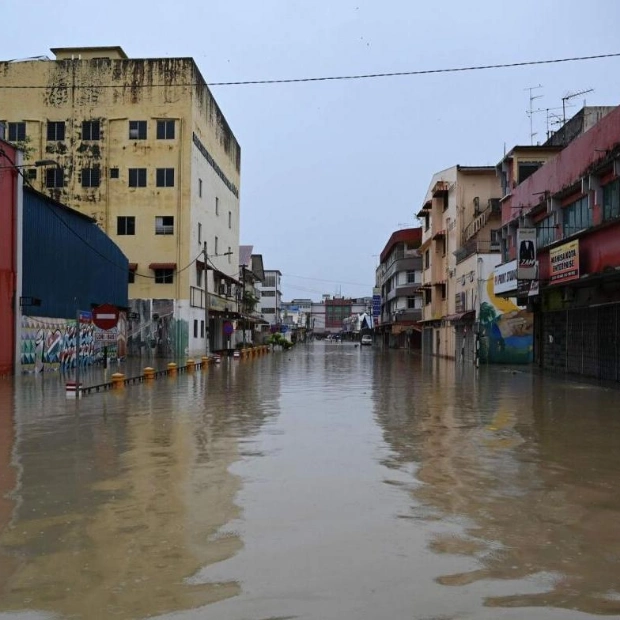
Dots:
pixel 564 262
pixel 376 305
pixel 505 277
pixel 526 259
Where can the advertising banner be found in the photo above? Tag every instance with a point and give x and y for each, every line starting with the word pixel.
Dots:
pixel 526 261
pixel 564 262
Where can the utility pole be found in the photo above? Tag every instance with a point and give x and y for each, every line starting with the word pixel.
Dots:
pixel 206 274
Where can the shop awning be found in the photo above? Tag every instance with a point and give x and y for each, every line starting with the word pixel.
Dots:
pixel 460 317
pixel 133 266
pixel 154 266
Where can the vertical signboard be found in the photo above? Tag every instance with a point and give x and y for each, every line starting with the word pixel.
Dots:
pixel 526 260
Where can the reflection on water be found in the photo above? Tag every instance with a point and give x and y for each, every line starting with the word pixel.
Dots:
pixel 121 497
pixel 328 482
pixel 526 467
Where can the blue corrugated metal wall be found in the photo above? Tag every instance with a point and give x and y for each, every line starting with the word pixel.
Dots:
pixel 69 263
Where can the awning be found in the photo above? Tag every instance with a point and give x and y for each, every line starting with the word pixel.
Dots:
pixel 154 266
pixel 439 234
pixel 133 266
pixel 460 317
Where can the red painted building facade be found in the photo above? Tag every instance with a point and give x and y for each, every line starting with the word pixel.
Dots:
pixel 573 202
pixel 10 189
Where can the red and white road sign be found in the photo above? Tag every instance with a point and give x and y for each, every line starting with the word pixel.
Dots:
pixel 105 316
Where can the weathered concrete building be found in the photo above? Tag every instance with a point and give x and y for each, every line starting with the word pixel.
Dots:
pixel 144 149
pixel 461 219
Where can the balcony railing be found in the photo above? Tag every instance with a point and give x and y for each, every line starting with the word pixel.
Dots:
pixel 473 247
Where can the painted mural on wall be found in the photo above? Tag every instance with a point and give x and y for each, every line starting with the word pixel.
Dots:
pixel 50 344
pixel 153 330
pixel 506 330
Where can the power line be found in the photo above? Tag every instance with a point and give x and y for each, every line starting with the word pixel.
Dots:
pixel 361 76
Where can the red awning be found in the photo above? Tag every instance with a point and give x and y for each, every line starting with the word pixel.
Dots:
pixel 133 266
pixel 154 266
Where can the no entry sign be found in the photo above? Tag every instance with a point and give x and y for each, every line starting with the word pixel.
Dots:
pixel 105 316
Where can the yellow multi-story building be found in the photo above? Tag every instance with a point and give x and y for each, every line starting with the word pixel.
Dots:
pixel 459 213
pixel 141 146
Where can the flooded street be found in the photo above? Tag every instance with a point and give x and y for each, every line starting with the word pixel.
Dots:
pixel 331 481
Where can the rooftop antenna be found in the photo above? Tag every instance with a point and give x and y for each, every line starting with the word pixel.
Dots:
pixel 530 112
pixel 570 96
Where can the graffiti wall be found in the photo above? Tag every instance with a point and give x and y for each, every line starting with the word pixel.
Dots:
pixel 50 344
pixel 506 330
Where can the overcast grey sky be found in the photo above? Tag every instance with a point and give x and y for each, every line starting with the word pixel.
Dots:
pixel 330 169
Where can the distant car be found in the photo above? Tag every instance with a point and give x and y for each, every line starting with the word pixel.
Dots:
pixel 366 340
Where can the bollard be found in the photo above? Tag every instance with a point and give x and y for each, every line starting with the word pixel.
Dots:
pixel 172 369
pixel 190 365
pixel 118 381
pixel 236 354
pixel 204 362
pixel 149 373
pixel 72 390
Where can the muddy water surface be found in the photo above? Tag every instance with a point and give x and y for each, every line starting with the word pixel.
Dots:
pixel 328 482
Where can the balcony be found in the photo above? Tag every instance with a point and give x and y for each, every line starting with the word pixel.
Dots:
pixel 476 247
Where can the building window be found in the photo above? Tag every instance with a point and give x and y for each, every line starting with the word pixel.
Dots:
pixel 164 225
pixel 114 173
pixel 427 259
pixel 199 233
pixel 54 177
pixel 217 206
pixel 17 132
pixel 611 200
pixel 216 246
pixel 269 294
pixel 31 173
pixel 90 177
pixel 427 297
pixel 165 177
pixel 164 276
pixel 165 130
pixel 527 169
pixel 443 291
pixel 200 188
pixel 199 271
pixel 131 277
pixel 55 131
pixel 410 302
pixel 90 130
pixel 137 177
pixel 427 221
pixel 268 310
pixel 195 328
pixel 411 277
pixel 202 329
pixel 230 219
pixel 577 216
pixel 137 130
pixel 126 225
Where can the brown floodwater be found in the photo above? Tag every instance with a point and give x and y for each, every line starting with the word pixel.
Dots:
pixel 329 482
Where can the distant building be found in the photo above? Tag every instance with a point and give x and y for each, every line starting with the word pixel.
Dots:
pixel 271 297
pixel 143 148
pixel 251 274
pixel 54 263
pixel 399 278
pixel 332 315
